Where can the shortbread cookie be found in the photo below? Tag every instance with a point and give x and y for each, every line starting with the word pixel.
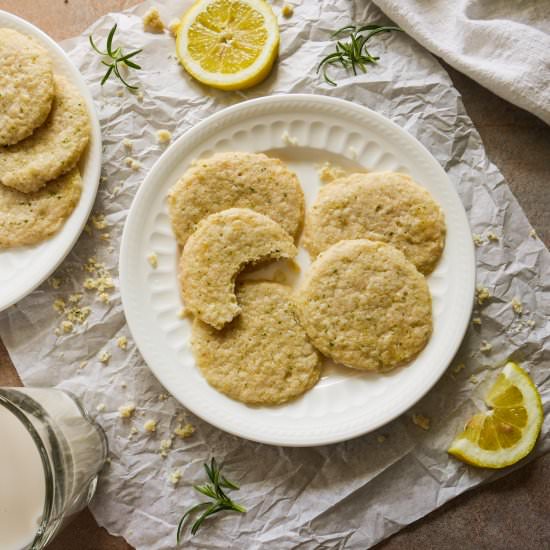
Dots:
pixel 263 357
pixel 52 149
pixel 242 180
pixel 364 305
pixel 26 86
pixel 380 206
pixel 29 218
pixel 217 251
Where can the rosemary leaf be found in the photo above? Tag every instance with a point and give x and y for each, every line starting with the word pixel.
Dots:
pixel 352 54
pixel 115 58
pixel 215 491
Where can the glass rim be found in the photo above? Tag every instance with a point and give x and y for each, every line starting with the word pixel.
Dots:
pixel 46 465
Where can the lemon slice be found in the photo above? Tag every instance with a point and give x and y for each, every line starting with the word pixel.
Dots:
pixel 509 429
pixel 228 44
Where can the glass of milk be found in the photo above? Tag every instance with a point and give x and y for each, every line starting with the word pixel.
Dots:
pixel 51 452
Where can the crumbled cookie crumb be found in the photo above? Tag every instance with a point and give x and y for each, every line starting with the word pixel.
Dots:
pixel 101 407
pixel 482 294
pixel 517 306
pixel 492 236
pixel 54 282
pixel 421 421
pixel 473 379
pixel 126 411
pixel 152 21
pixel 128 144
pixel 458 367
pixel 478 239
pixel 150 426
pixel 531 323
pixel 153 260
pixel 174 477
pixel 328 172
pixel 104 298
pixel 83 365
pixel 104 356
pixel 122 342
pixel 101 280
pixel 287 11
pixel 288 139
pixel 67 326
pixel 476 321
pixel 174 26
pixel 132 163
pixel 164 136
pixel 485 347
pixel 98 221
pixel 120 93
pixel 59 305
pixel 533 234
pixel 163 396
pixel 380 438
pixel 184 430
pixel 165 446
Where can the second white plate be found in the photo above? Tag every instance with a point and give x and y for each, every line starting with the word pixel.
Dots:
pixel 22 269
pixel 345 403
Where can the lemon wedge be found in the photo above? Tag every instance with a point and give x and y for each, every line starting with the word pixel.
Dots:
pixel 509 430
pixel 228 44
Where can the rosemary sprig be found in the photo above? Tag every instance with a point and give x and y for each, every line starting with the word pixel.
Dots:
pixel 116 57
pixel 354 52
pixel 215 491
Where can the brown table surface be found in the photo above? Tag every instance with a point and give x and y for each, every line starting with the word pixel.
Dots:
pixel 507 514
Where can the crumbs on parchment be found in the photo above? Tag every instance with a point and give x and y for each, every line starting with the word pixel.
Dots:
pixel 150 426
pixel 127 411
pixel 421 421
pixel 184 430
pixel 482 294
pixel 517 306
pixel 164 136
pixel 104 356
pixel 174 477
pixel 122 342
pixel 287 11
pixel 152 21
pixel 174 26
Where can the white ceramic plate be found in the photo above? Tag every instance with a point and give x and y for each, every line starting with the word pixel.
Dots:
pixel 23 269
pixel 345 403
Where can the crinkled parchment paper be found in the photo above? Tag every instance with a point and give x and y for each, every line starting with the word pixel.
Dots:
pixel 348 495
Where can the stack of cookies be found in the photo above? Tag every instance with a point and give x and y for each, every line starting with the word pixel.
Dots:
pixel 364 303
pixel 44 130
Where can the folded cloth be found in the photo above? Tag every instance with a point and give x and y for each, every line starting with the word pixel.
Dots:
pixel 502 44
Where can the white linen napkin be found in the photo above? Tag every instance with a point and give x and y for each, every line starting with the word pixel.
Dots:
pixel 502 44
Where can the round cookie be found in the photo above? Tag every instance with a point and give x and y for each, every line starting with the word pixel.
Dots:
pixel 54 148
pixel 364 305
pixel 26 85
pixel 263 357
pixel 217 251
pixel 380 206
pixel 29 218
pixel 241 180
